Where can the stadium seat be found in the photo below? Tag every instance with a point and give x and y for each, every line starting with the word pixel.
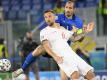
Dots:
pixel 34 19
pixel 5 15
pixel 14 2
pixel 34 12
pixel 36 1
pixel 80 4
pixel 22 15
pixel 15 7
pixel 5 2
pixel 37 19
pixel 26 7
pixel 47 6
pixel 89 0
pixel 36 7
pixel 6 8
pixel 92 4
pixel 26 1
pixel 12 15
pixel 98 60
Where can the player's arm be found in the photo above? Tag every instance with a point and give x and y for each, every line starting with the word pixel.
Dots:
pixel 76 37
pixel 88 28
pixel 47 47
pixel 79 35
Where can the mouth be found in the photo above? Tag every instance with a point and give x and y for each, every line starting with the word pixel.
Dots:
pixel 67 12
pixel 50 23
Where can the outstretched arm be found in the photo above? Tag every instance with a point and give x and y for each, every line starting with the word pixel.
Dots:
pixel 86 29
pixel 76 37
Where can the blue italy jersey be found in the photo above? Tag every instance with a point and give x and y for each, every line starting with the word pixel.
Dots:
pixel 67 23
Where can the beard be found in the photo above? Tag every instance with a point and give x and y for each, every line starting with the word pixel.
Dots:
pixel 50 23
pixel 68 14
pixel 29 39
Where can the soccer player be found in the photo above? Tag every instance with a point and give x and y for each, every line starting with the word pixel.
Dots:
pixel 28 45
pixel 67 20
pixel 54 40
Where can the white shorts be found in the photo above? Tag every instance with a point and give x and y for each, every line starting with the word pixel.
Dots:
pixel 72 62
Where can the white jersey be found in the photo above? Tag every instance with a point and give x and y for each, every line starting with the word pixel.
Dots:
pixel 57 37
pixel 58 40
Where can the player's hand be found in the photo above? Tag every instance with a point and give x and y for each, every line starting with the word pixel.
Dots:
pixel 89 27
pixel 74 29
pixel 58 59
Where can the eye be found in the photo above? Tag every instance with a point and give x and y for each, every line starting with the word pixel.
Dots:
pixel 70 8
pixel 66 7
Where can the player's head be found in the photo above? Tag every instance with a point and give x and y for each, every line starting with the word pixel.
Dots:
pixel 49 17
pixel 29 35
pixel 69 8
pixel 1 41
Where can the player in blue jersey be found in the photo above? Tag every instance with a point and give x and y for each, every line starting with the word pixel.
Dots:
pixel 67 20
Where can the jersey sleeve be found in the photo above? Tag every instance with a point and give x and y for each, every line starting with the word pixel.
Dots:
pixel 43 36
pixel 68 34
pixel 79 23
pixel 58 19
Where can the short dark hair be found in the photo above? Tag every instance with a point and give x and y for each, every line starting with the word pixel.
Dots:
pixel 71 1
pixel 46 11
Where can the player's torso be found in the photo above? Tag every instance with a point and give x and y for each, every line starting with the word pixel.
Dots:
pixel 57 38
pixel 65 22
pixel 55 34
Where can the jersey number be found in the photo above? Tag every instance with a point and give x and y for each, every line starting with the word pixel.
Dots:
pixel 63 35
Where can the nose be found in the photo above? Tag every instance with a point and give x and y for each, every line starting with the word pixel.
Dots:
pixel 67 9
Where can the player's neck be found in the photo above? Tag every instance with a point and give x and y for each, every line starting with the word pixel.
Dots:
pixel 56 25
pixel 69 17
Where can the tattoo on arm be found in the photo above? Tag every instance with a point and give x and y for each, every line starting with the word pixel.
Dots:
pixel 77 37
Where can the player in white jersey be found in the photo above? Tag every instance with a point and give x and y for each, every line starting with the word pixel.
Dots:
pixel 54 41
pixel 40 49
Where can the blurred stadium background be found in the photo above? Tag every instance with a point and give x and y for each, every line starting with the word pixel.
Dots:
pixel 19 16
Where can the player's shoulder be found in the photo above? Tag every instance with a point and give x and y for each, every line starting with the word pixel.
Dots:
pixel 44 30
pixel 78 18
pixel 60 15
pixel 62 28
